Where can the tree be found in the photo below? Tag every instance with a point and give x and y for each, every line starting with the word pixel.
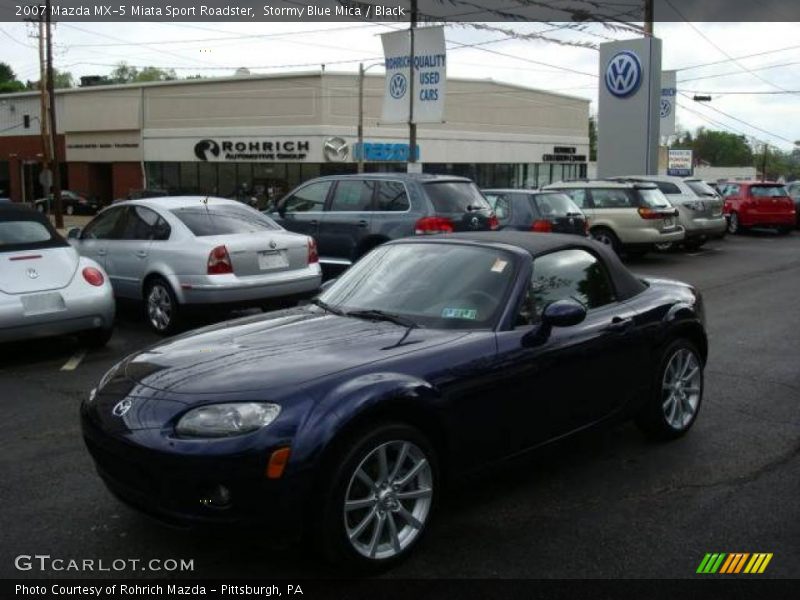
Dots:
pixel 61 80
pixel 125 73
pixel 717 148
pixel 8 80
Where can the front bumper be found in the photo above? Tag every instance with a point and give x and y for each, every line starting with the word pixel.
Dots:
pixel 171 487
pixel 83 310
pixel 230 289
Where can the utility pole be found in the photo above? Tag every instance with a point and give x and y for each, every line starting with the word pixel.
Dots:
pixel 44 109
pixel 412 126
pixel 360 128
pixel 53 129
pixel 648 18
pixel 764 164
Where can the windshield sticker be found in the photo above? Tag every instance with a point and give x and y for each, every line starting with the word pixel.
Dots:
pixel 460 313
pixel 499 266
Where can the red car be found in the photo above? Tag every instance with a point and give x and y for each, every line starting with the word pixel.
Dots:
pixel 758 204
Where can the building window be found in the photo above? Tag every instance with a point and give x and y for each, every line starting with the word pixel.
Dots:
pixel 170 177
pixel 189 184
pixel 207 179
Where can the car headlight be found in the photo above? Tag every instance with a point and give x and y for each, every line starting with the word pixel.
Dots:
pixel 223 420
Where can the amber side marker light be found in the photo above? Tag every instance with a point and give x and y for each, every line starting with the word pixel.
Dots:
pixel 277 463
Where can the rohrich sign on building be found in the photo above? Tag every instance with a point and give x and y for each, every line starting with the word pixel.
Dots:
pixel 628 107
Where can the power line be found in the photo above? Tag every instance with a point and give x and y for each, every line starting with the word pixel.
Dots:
pixel 730 73
pixel 719 62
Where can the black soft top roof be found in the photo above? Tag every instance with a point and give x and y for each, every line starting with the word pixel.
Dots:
pixel 626 283
pixel 14 212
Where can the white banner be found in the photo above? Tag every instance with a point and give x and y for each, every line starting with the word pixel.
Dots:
pixel 430 75
pixel 669 96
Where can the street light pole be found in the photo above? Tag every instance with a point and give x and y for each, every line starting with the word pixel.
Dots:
pixel 53 130
pixel 360 128
pixel 648 18
pixel 412 126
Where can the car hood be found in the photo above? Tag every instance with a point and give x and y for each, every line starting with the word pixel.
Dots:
pixel 268 352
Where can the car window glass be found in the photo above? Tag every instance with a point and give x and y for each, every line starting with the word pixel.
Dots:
pixel 455 197
pixel 653 198
pixel 23 232
pixel 222 219
pixel 701 188
pixel 578 196
pixel 767 191
pixel 353 196
pixel 308 198
pixel 103 227
pixel 392 197
pixel 502 207
pixel 143 224
pixel 667 187
pixel 555 205
pixel 612 198
pixel 565 274
pixel 731 190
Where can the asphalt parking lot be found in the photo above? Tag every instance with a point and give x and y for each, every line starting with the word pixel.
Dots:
pixel 607 504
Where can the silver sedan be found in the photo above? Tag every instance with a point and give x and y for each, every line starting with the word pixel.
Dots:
pixel 176 252
pixel 46 287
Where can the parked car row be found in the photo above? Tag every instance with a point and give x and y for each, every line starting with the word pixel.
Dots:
pixel 72 203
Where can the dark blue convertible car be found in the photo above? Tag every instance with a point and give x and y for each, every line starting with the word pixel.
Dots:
pixel 428 358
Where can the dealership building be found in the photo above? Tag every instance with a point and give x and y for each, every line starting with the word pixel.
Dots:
pixel 260 135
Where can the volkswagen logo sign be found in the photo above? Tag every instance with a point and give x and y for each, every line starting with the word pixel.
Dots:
pixel 623 74
pixel 121 408
pixel 205 147
pixel 666 108
pixel 272 244
pixel 33 273
pixel 398 85
pixel 335 149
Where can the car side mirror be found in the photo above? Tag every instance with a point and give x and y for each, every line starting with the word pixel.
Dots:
pixel 563 313
pixel 73 233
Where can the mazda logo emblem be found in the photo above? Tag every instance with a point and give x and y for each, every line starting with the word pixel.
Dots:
pixel 204 147
pixel 623 74
pixel 398 85
pixel 121 408
pixel 33 273
pixel 335 149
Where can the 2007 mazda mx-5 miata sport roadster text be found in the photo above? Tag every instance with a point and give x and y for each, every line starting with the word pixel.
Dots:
pixel 429 357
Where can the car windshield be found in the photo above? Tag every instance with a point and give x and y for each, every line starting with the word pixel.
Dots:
pixel 223 219
pixel 653 198
pixel 417 282
pixel 701 188
pixel 556 205
pixel 768 191
pixel 456 197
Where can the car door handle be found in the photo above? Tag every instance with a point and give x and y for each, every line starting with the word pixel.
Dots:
pixel 141 254
pixel 362 223
pixel 102 252
pixel 620 324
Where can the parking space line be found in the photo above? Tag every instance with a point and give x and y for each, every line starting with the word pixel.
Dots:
pixel 74 361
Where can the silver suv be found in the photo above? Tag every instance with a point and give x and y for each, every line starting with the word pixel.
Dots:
pixel 175 252
pixel 699 207
pixel 630 217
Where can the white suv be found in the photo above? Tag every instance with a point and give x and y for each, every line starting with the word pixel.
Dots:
pixel 699 207
pixel 630 217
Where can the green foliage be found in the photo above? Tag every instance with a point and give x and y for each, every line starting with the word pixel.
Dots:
pixel 717 148
pixel 61 80
pixel 8 80
pixel 124 73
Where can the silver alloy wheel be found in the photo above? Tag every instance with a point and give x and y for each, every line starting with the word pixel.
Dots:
pixel 388 500
pixel 733 223
pixel 159 307
pixel 681 388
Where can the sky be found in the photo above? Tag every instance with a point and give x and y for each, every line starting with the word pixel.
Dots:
pixel 218 49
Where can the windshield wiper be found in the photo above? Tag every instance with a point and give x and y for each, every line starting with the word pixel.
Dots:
pixel 327 307
pixel 379 315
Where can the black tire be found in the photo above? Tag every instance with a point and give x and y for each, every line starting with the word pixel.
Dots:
pixel 693 245
pixel 331 522
pixel 605 236
pixel 95 338
pixel 733 224
pixel 653 418
pixel 784 230
pixel 167 321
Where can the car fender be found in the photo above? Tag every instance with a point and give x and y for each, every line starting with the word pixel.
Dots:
pixel 163 269
pixel 347 405
pixel 685 318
